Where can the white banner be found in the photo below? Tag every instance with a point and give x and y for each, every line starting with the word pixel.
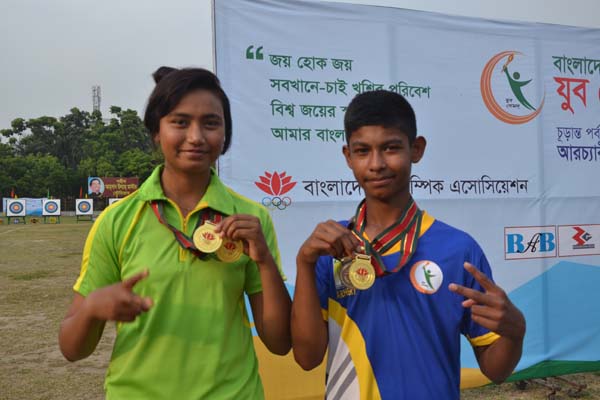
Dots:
pixel 511 113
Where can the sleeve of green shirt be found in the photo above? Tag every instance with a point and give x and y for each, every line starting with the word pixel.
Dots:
pixel 99 265
pixel 253 284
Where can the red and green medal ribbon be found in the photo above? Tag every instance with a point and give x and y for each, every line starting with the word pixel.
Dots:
pixel 184 240
pixel 404 231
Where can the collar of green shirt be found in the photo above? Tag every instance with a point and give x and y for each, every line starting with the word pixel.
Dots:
pixel 217 195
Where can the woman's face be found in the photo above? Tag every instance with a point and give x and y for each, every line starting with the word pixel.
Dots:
pixel 192 135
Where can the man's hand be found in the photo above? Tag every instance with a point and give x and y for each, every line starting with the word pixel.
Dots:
pixel 329 238
pixel 491 309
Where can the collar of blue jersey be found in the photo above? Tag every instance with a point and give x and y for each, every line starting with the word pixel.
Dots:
pixel 426 223
pixel 217 195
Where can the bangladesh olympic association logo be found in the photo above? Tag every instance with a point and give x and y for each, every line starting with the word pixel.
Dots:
pixel 505 92
pixel 84 206
pixel 16 207
pixel 51 207
pixel 276 185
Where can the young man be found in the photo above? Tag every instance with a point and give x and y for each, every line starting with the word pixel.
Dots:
pixel 400 338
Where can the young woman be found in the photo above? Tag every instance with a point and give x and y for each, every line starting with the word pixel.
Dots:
pixel 170 264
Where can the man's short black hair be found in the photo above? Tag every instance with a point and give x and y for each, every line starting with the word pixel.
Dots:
pixel 380 108
pixel 174 84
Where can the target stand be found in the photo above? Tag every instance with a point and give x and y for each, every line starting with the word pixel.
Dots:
pixel 84 209
pixel 51 211
pixel 16 211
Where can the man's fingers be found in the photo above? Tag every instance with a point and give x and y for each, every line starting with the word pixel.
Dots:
pixel 480 277
pixel 472 294
pixel 468 303
pixel 488 323
pixel 486 312
pixel 129 283
pixel 349 245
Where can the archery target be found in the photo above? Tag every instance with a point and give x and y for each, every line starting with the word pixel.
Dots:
pixel 15 208
pixel 50 207
pixel 84 207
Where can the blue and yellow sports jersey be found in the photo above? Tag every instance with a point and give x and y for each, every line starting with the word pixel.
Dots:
pixel 400 339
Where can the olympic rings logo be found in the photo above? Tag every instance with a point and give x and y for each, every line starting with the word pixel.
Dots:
pixel 280 203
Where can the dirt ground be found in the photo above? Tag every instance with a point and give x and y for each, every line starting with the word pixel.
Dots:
pixel 38 266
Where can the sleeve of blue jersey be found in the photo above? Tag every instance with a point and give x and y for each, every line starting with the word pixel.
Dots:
pixel 477 334
pixel 324 279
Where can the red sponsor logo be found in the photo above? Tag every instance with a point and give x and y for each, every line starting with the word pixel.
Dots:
pixel 581 236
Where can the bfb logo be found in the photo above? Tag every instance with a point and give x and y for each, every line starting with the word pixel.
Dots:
pixel 530 242
pixel 542 242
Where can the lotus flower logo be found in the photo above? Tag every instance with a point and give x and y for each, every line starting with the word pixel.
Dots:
pixel 276 184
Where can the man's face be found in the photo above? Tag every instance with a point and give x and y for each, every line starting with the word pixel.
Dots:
pixel 381 160
pixel 95 186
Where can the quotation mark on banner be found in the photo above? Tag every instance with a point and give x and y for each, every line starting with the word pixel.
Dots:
pixel 250 55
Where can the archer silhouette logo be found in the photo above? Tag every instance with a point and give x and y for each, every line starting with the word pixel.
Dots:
pixel 506 78
pixel 276 184
pixel 581 238
pixel 426 276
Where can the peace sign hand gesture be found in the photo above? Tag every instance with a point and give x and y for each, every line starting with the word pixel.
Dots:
pixel 492 308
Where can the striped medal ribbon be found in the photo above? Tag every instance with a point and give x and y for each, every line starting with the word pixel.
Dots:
pixel 184 240
pixel 405 230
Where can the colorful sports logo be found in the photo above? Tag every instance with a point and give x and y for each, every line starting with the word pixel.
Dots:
pixel 507 84
pixel 426 276
pixel 276 184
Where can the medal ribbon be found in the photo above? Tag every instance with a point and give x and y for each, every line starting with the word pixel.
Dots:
pixel 405 230
pixel 184 240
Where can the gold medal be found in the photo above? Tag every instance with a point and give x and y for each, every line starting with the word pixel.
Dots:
pixel 206 239
pixel 230 250
pixel 357 272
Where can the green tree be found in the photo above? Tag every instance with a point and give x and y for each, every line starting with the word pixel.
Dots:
pixel 82 143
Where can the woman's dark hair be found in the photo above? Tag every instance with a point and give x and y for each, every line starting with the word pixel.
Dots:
pixel 172 85
pixel 383 108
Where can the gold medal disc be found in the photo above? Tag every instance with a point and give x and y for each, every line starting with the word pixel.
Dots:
pixel 361 273
pixel 206 239
pixel 230 250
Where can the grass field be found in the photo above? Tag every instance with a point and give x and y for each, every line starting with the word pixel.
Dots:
pixel 38 266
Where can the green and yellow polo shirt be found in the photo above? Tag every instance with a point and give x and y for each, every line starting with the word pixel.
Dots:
pixel 196 342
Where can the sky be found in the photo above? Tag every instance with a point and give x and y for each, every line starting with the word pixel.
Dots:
pixel 53 52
